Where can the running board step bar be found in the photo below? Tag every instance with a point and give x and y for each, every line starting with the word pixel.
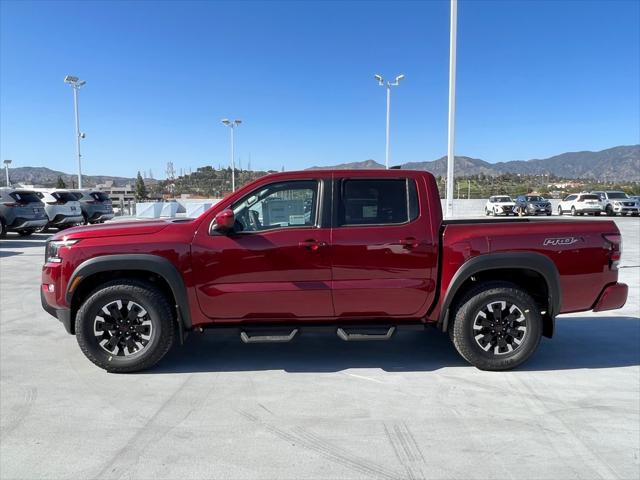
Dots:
pixel 355 334
pixel 246 338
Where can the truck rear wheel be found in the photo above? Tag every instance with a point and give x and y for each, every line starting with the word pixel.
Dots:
pixel 125 326
pixel 497 326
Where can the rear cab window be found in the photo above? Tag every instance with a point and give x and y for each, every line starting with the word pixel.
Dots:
pixel 369 201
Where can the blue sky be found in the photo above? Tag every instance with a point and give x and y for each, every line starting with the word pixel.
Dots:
pixel 534 79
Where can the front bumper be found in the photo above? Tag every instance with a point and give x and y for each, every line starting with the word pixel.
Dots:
pixel 612 297
pixel 621 209
pixel 539 211
pixel 62 314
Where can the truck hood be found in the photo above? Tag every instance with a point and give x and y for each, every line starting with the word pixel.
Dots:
pixel 113 229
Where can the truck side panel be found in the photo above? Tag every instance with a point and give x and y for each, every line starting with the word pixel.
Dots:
pixel 578 250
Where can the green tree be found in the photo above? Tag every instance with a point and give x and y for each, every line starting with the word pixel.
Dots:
pixel 60 183
pixel 141 188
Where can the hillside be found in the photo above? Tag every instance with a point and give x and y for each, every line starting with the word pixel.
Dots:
pixel 43 176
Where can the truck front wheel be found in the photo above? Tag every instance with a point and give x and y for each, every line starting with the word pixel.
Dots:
pixel 497 326
pixel 125 326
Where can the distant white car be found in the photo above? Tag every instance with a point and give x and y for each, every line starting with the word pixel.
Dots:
pixel 499 205
pixel 581 204
pixel 62 208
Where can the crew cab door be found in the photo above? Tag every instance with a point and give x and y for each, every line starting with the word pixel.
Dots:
pixel 275 265
pixel 384 255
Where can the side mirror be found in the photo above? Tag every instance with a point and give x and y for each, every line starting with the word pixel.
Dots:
pixel 224 221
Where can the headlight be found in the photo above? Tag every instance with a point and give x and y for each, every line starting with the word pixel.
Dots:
pixel 52 250
pixel 617 204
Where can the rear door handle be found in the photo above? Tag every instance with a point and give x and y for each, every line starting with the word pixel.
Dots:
pixel 409 243
pixel 311 244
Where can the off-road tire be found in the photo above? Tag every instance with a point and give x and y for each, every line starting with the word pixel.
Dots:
pixel 160 314
pixel 465 312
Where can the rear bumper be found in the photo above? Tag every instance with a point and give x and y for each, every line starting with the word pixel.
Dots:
pixel 101 217
pixel 63 220
pixel 21 223
pixel 613 296
pixel 62 314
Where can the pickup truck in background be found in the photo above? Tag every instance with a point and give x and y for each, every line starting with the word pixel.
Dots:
pixel 359 253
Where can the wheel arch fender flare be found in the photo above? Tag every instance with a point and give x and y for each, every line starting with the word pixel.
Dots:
pixel 536 262
pixel 140 262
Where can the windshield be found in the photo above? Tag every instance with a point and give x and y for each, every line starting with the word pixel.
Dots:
pixel 617 195
pixel 534 198
pixel 502 199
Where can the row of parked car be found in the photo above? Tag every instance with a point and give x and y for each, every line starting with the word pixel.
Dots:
pixel 585 203
pixel 27 211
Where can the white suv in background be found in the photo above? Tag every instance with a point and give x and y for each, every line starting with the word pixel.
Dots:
pixel 62 208
pixel 499 205
pixel 614 202
pixel 580 204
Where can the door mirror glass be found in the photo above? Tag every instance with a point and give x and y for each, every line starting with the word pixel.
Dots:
pixel 224 221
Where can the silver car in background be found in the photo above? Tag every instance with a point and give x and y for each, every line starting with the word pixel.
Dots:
pixel 62 208
pixel 96 206
pixel 616 202
pixel 21 211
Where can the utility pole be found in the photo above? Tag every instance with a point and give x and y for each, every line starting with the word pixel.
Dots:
pixel 452 106
pixel 6 170
pixel 232 124
pixel 77 84
pixel 389 85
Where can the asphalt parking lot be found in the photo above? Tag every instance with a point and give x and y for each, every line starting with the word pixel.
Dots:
pixel 318 407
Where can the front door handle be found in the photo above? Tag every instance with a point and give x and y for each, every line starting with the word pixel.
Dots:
pixel 311 244
pixel 409 243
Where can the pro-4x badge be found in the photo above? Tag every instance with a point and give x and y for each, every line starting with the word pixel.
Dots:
pixel 560 242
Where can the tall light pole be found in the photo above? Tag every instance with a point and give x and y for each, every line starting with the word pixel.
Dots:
pixel 6 169
pixel 452 106
pixel 232 124
pixel 388 85
pixel 77 84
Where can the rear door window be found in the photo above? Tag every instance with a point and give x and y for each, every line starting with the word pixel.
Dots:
pixel 377 202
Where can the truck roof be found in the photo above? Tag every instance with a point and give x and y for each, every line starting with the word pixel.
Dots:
pixel 374 172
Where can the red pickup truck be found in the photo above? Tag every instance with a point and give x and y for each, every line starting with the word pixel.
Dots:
pixel 359 253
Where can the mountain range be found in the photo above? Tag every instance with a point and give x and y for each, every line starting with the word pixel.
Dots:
pixel 617 163
pixel 612 164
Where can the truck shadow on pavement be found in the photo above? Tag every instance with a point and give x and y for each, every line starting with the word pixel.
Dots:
pixel 579 342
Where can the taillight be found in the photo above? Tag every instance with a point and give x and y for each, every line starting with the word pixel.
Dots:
pixel 614 244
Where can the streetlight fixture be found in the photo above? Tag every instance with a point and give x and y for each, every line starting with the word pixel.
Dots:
pixel 232 124
pixel 380 81
pixel 6 169
pixel 77 84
